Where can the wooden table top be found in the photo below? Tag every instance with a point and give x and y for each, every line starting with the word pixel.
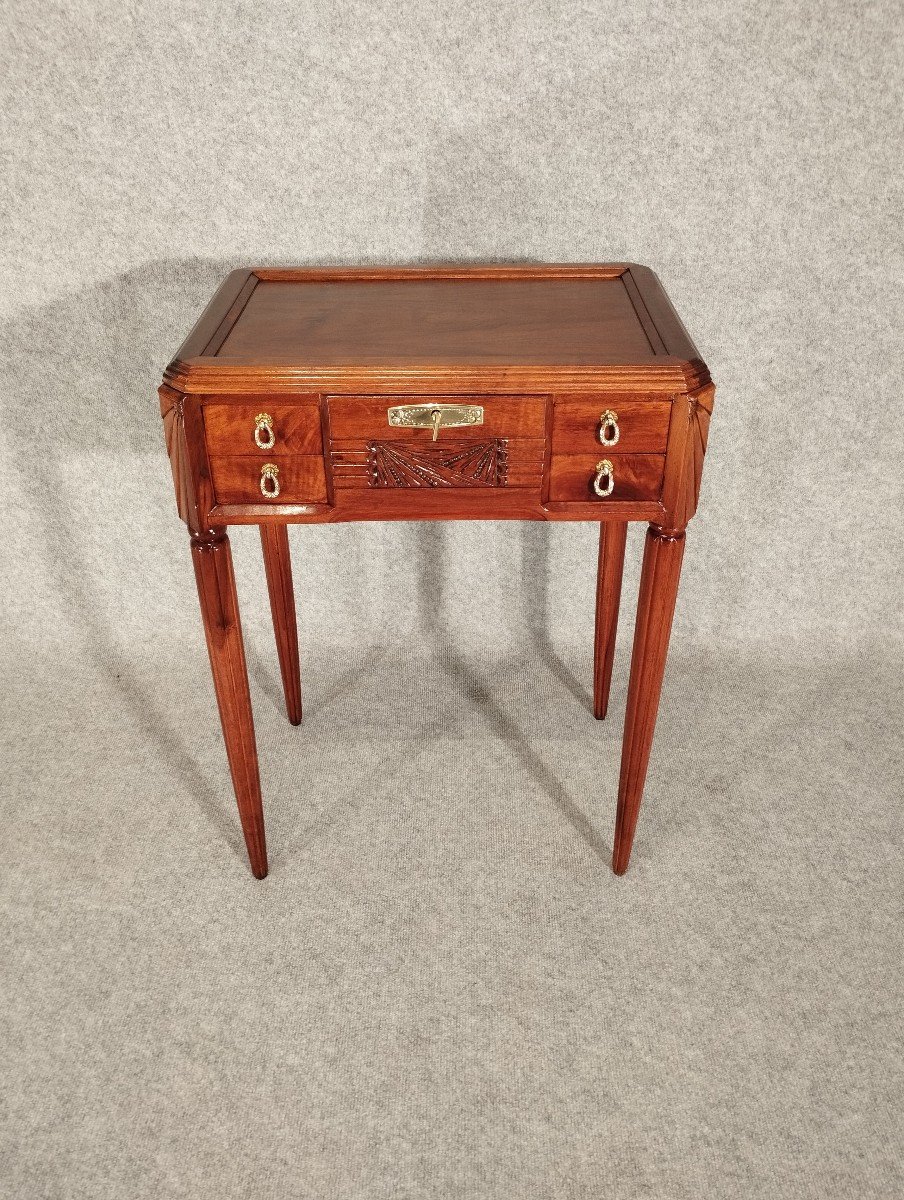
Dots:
pixel 531 325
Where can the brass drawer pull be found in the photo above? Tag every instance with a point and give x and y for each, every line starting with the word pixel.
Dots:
pixel 604 471
pixel 264 437
pixel 609 430
pixel 269 481
pixel 434 416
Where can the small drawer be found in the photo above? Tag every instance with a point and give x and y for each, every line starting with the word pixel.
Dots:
pixel 610 423
pixel 503 417
pixel 632 477
pixel 263 429
pixel 241 479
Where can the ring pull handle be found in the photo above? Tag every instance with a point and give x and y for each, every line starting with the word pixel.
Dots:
pixel 604 479
pixel 609 430
pixel 264 437
pixel 269 481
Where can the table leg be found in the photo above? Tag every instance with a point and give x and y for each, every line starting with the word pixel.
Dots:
pixel 608 595
pixel 212 559
pixel 278 567
pixel 655 608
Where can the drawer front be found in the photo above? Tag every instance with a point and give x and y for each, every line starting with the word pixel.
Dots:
pixel 634 476
pixel 238 429
pixel 238 479
pixel 367 417
pixel 449 462
pixel 631 426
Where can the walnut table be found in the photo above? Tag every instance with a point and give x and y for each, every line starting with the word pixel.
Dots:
pixel 529 393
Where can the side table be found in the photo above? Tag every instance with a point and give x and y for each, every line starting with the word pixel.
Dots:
pixel 539 393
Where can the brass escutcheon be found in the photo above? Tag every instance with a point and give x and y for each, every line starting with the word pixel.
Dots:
pixel 434 416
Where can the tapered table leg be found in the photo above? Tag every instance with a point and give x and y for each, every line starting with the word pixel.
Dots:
pixel 212 559
pixel 655 608
pixel 608 595
pixel 278 566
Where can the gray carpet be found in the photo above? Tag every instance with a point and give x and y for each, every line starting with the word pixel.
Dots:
pixel 441 990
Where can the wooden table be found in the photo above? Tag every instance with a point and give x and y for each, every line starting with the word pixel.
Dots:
pixel 538 393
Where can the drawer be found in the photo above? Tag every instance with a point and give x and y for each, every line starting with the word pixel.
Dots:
pixel 237 480
pixel 367 417
pixel 640 426
pixel 288 428
pixel 635 476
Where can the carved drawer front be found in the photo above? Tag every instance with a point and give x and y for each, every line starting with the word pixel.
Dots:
pixel 610 422
pixel 368 417
pixel 601 477
pixel 446 463
pixel 245 479
pixel 262 428
pixel 437 441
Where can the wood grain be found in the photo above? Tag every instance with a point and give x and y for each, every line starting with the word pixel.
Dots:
pixel 212 560
pixel 278 569
pixel 637 476
pixel 237 479
pixel 613 535
pixel 230 428
pixel 463 322
pixel 655 608
pixel 643 424
pixel 503 416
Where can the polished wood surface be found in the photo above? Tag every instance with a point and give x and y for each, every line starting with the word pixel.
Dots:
pixel 237 479
pixel 407 322
pixel 278 569
pixel 656 606
pixel 212 559
pixel 643 425
pixel 613 535
pixel 320 355
pixel 636 476
pixel 296 428
pixel 632 340
pixel 503 416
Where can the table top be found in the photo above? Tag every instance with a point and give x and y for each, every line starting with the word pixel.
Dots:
pixel 504 325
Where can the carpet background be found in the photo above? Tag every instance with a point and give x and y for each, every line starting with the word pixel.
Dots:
pixel 440 990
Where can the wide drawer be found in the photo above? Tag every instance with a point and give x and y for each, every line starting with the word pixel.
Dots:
pixel 262 429
pixel 630 426
pixel 503 417
pixel 242 479
pixel 633 476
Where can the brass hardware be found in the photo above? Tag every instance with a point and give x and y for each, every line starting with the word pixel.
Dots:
pixel 604 469
pixel 263 424
pixel 609 430
pixel 434 416
pixel 269 482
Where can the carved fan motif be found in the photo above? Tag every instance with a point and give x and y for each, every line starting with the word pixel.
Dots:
pixel 174 432
pixel 437 464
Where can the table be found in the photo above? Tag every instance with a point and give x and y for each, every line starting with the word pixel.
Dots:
pixel 511 392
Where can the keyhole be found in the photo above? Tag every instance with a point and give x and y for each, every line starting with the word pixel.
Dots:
pixel 436 416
